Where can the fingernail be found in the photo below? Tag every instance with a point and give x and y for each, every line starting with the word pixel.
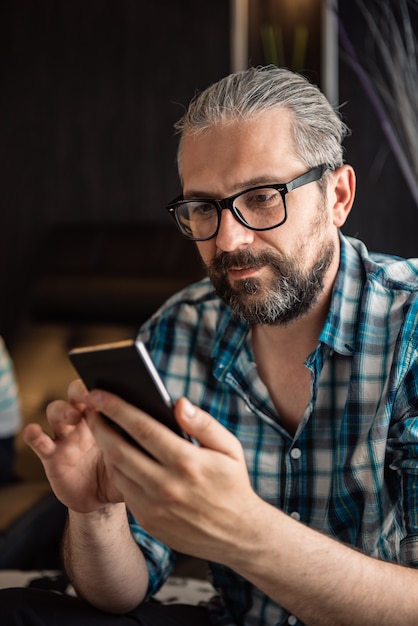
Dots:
pixel 189 408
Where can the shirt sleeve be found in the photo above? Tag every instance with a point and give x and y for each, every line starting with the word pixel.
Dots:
pixel 159 558
pixel 10 416
pixel 403 444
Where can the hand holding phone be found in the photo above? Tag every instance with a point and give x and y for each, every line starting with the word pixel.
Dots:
pixel 125 368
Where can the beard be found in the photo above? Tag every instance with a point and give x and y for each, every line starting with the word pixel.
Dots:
pixel 284 297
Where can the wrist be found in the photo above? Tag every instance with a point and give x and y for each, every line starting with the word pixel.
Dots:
pixel 101 515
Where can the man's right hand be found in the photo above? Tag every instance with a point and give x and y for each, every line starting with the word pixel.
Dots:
pixel 71 458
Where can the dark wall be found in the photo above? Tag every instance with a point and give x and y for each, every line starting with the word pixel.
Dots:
pixel 89 93
pixel 385 215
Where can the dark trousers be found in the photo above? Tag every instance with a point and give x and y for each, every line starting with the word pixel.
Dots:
pixel 38 607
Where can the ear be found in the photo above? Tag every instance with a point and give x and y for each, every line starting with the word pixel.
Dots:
pixel 342 190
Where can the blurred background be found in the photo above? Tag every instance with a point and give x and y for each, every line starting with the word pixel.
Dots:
pixel 90 90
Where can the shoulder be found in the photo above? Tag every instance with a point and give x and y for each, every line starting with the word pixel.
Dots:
pixel 376 298
pixel 392 272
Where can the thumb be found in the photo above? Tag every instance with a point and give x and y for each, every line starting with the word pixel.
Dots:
pixel 205 429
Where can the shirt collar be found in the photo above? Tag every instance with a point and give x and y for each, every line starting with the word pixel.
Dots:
pixel 340 327
pixel 230 337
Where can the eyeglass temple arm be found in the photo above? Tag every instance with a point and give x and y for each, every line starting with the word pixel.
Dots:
pixel 313 175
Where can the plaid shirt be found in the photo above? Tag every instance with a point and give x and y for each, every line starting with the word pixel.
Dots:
pixel 351 470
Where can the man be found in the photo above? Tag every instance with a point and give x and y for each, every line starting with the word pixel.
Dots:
pixel 296 369
pixel 10 417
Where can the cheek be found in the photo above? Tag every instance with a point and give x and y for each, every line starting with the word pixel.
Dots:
pixel 207 250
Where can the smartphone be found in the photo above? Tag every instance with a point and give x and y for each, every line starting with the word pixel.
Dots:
pixel 125 368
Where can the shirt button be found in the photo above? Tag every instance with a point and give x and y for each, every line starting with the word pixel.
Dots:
pixel 295 515
pixel 295 453
pixel 292 620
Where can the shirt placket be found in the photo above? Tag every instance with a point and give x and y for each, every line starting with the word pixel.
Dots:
pixel 295 460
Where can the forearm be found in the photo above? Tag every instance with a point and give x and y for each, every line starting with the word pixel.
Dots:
pixel 102 560
pixel 323 582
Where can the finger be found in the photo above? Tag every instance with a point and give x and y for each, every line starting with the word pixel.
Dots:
pixel 205 429
pixel 126 464
pixel 103 431
pixel 61 415
pixel 158 440
pixel 40 442
pixel 77 392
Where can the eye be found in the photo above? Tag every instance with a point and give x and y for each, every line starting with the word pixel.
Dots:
pixel 201 210
pixel 261 198
pixel 265 196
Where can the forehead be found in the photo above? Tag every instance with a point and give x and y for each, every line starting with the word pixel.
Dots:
pixel 272 123
pixel 234 151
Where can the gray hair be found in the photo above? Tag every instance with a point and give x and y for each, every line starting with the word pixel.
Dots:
pixel 318 131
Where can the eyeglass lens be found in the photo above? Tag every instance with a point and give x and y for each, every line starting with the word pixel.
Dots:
pixel 259 208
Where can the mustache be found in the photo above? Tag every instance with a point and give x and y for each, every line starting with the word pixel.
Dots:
pixel 244 259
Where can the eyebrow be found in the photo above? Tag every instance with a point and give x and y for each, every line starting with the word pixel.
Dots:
pixel 242 186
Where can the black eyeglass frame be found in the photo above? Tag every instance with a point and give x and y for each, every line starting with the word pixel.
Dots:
pixel 310 176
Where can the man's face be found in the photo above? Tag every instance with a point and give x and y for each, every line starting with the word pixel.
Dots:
pixel 266 277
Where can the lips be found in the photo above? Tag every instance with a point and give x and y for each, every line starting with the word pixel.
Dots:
pixel 239 265
pixel 240 273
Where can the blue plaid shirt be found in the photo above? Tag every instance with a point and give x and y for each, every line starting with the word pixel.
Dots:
pixel 351 470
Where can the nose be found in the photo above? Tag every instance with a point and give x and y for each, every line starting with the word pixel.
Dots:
pixel 232 235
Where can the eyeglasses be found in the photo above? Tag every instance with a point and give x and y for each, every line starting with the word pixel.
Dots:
pixel 259 208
